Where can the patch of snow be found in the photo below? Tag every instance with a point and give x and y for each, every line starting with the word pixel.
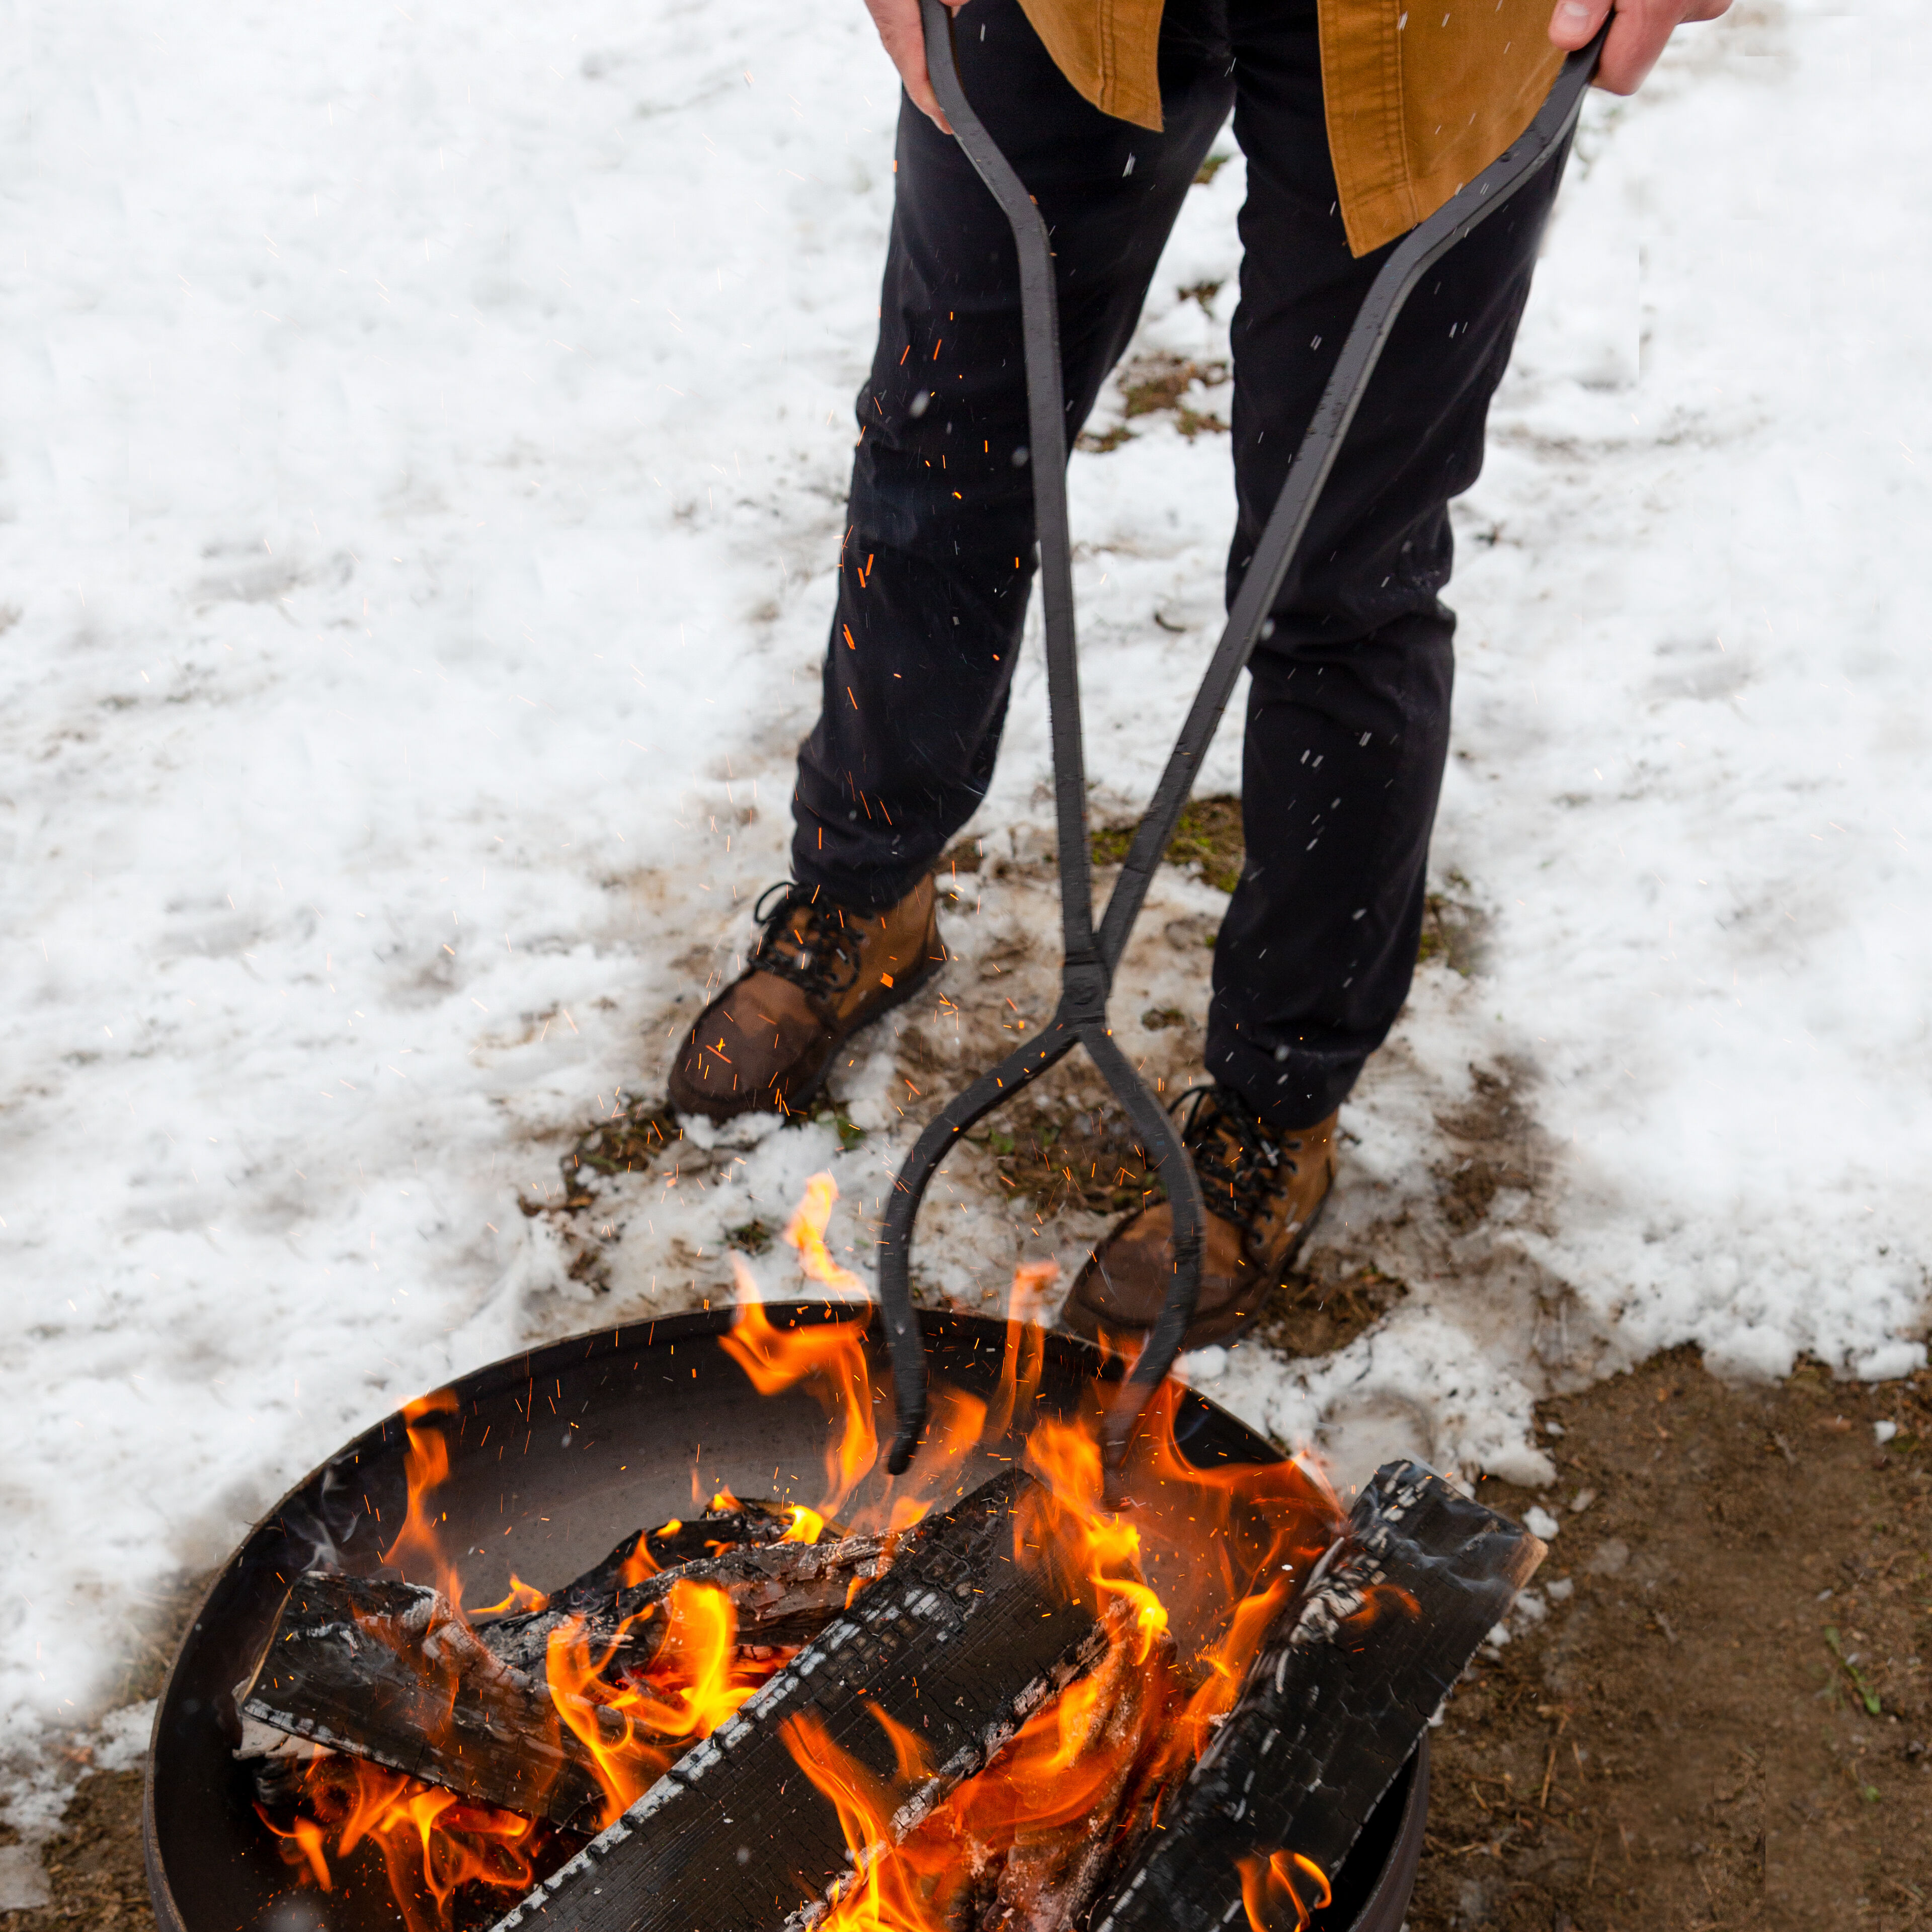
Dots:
pixel 122 1742
pixel 23 1878
pixel 428 473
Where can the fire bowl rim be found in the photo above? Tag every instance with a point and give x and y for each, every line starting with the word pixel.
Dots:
pixel 1385 1904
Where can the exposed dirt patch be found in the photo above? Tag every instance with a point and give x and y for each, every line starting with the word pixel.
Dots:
pixel 1728 1723
pixel 93 1863
pixel 1323 1308
pixel 1454 931
pixel 1069 1150
pixel 628 1143
pixel 1161 384
pixel 1209 837
pixel 1492 1143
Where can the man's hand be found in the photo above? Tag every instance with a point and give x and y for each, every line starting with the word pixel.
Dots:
pixel 1636 38
pixel 899 28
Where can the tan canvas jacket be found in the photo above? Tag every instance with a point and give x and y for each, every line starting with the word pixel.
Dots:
pixel 1421 95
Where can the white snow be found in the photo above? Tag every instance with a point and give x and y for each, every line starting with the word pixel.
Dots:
pixel 428 433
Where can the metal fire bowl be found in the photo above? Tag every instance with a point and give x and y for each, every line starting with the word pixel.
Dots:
pixel 555 1456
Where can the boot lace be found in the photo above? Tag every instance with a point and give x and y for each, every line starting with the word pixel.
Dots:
pixel 1242 1162
pixel 819 951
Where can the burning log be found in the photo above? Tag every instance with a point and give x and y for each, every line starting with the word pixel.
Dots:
pixel 1332 1707
pixel 1051 1875
pixel 390 1672
pixel 784 1593
pixel 931 1673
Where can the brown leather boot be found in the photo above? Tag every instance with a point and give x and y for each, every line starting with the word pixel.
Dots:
pixel 817 975
pixel 1265 1190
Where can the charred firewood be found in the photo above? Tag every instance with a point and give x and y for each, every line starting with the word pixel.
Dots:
pixel 1344 1685
pixel 955 1646
pixel 670 1546
pixel 386 1671
pixel 784 1593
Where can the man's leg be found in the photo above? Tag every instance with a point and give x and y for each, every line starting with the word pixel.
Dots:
pixel 938 555
pixel 1348 720
pixel 937 558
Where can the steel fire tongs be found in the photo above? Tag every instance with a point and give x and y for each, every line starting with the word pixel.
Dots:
pixel 1091 956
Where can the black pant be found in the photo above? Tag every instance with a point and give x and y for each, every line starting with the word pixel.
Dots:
pixel 1348 716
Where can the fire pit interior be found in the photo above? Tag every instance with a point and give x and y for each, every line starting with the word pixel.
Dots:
pixel 594 1507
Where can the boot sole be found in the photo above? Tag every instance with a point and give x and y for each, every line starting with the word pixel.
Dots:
pixel 797 1102
pixel 1227 1324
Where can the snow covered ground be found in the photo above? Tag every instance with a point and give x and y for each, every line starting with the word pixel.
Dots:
pixel 428 434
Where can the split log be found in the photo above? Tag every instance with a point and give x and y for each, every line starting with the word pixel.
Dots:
pixel 957 1644
pixel 671 1545
pixel 387 1671
pixel 1343 1688
pixel 783 1593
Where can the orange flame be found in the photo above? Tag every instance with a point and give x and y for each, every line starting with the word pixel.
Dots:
pixel 1070 1763
pixel 1186 1583
pixel 425 1465
pixel 806 1232
pixel 432 1843
pixel 307 1837
pixel 1025 1351
pixel 631 1729
pixel 523 1597
pixel 640 1563
pixel 1271 1888
pixel 831 1360
pixel 1071 1528
pixel 884 1891
pixel 806 1526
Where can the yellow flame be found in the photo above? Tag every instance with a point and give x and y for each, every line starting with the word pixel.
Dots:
pixel 806 1232
pixel 806 1526
pixel 629 1730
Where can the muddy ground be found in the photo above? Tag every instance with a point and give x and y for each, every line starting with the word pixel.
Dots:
pixel 1728 1723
